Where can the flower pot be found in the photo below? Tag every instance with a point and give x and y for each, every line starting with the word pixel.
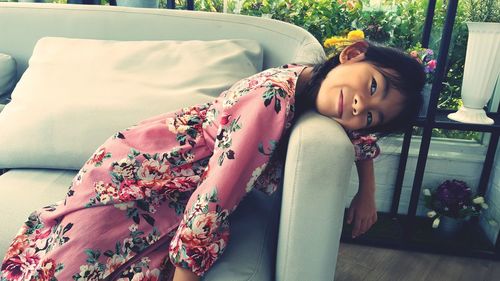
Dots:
pixel 449 227
pixel 138 3
pixel 482 66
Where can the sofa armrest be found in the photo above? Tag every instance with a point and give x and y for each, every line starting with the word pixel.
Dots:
pixel 1 107
pixel 317 172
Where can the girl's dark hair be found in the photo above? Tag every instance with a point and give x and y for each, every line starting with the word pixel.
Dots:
pixel 403 73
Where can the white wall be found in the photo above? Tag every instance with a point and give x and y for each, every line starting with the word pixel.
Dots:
pixel 462 160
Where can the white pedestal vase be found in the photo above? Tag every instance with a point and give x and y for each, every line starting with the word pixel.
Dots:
pixel 482 65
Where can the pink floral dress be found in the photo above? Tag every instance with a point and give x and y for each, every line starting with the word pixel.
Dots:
pixel 158 194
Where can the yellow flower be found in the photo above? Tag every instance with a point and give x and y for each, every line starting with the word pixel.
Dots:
pixel 334 41
pixel 355 35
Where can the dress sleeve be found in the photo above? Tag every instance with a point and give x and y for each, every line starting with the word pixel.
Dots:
pixel 250 126
pixel 365 145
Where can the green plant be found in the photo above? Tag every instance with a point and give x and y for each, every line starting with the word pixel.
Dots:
pixel 426 58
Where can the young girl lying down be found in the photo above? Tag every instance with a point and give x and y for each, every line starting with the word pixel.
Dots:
pixel 153 202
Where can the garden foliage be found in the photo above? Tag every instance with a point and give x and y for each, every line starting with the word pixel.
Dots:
pixel 399 24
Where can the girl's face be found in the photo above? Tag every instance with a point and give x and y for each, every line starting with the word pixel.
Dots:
pixel 356 95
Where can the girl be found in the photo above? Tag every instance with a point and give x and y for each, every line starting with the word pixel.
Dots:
pixel 154 199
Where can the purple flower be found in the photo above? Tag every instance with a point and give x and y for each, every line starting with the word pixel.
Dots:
pixel 453 195
pixel 430 52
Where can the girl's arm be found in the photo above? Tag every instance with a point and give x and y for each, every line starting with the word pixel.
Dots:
pixel 363 209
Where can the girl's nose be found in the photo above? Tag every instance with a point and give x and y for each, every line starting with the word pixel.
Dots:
pixel 358 105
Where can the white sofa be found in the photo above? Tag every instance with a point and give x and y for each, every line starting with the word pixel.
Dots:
pixel 293 235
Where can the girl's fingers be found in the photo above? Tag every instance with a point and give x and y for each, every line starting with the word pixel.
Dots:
pixel 349 216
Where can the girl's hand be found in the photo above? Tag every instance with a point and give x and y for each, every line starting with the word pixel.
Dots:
pixel 363 211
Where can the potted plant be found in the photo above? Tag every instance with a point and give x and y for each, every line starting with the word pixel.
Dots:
pixel 451 204
pixel 426 58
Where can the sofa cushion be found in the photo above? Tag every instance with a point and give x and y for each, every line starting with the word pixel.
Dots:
pixel 78 92
pixel 7 75
pixel 249 256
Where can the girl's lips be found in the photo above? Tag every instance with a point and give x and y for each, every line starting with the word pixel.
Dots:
pixel 341 104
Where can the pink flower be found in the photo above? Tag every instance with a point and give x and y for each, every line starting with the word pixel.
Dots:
pixel 20 267
pixel 97 157
pixel 432 65
pixel 150 275
pixel 152 171
pixel 225 119
pixel 41 233
pixel 47 270
pixel 18 245
pixel 130 191
pixel 202 228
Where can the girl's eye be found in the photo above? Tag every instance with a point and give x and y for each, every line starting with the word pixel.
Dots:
pixel 369 118
pixel 373 87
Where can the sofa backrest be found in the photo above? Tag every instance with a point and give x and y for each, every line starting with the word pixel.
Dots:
pixel 22 24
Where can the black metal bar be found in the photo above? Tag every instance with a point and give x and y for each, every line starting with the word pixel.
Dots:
pixel 190 5
pixel 497 245
pixel 428 23
pixel 436 89
pixel 112 2
pixel 170 4
pixel 488 163
pixel 403 158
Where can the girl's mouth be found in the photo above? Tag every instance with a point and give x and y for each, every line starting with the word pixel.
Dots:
pixel 341 103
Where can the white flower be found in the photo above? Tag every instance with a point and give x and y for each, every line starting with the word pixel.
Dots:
pixel 435 223
pixel 484 205
pixel 478 200
pixel 124 206
pixel 427 192
pixel 105 198
pixel 133 227
pixel 431 214
pixel 492 222
pixel 255 174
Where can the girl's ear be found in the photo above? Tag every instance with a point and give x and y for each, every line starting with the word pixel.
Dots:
pixel 354 52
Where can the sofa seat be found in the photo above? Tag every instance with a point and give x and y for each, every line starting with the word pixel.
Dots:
pixel 250 254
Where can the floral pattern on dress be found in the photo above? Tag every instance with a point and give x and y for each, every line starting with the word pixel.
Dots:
pixel 224 140
pixel 188 124
pixel 204 234
pixel 149 180
pixel 365 145
pixel 100 264
pixel 24 259
pixel 99 156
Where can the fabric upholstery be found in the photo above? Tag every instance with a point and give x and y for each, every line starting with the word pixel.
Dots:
pixel 8 75
pixel 78 92
pixel 308 164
